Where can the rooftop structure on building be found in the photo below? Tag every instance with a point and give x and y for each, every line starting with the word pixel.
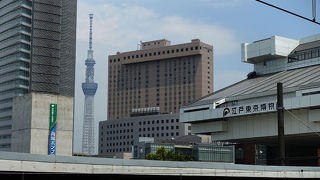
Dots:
pixel 38 45
pixel 245 112
pixel 159 75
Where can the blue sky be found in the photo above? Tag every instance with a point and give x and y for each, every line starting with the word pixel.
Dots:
pixel 119 25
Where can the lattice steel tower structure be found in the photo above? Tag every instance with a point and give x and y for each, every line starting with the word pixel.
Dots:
pixel 89 88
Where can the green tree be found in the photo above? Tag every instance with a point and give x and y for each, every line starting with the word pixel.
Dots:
pixel 163 155
pixel 151 156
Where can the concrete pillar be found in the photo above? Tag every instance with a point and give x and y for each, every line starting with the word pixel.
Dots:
pixel 31 119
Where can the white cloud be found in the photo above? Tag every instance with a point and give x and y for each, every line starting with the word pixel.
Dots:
pixel 122 27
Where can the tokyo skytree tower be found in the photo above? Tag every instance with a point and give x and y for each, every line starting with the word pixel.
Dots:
pixel 89 88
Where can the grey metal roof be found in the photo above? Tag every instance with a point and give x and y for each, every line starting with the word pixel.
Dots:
pixel 306 46
pixel 303 77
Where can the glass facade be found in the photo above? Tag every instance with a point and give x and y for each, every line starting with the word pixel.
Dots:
pixel 199 152
pixel 15 35
pixel 304 55
pixel 214 153
pixel 152 147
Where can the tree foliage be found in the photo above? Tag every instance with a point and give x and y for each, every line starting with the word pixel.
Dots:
pixel 163 155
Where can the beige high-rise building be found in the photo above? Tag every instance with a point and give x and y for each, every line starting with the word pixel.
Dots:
pixel 159 75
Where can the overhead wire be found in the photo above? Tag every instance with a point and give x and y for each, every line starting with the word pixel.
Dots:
pixel 281 9
pixel 302 122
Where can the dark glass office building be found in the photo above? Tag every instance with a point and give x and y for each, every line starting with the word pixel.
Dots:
pixel 37 53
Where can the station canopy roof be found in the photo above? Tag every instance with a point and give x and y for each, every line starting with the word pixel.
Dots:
pixel 306 77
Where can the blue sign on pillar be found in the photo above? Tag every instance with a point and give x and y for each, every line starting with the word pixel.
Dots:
pixel 52 129
pixel 52 141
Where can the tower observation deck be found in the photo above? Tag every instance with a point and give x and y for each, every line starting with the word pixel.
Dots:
pixel 89 88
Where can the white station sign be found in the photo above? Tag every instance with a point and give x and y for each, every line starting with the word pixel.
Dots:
pixel 249 109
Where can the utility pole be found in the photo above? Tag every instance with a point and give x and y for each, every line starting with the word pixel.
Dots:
pixel 281 141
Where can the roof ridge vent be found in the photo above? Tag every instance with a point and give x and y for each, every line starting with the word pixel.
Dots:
pixel 252 75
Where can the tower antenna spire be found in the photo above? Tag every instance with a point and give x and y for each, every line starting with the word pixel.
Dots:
pixel 90 34
pixel 89 88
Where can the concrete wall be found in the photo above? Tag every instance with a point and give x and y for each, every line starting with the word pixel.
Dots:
pixel 290 102
pixel 303 121
pixel 18 162
pixel 302 116
pixel 30 124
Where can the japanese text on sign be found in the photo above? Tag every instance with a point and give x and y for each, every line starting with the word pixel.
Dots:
pixel 249 109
